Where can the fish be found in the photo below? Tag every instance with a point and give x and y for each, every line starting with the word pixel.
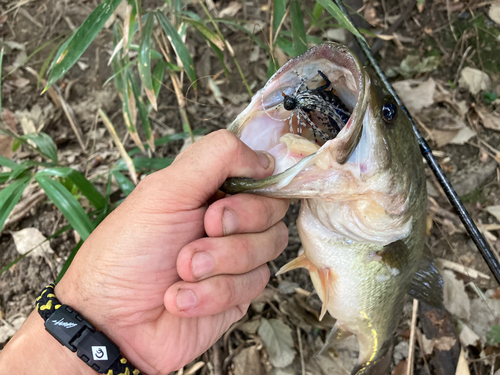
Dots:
pixel 362 219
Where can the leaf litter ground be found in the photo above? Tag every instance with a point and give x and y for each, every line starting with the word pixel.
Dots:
pixel 443 60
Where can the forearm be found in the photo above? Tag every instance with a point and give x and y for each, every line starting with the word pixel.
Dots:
pixel 34 351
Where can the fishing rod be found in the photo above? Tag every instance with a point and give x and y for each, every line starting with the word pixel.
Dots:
pixel 426 151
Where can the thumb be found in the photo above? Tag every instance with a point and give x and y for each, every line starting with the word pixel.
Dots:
pixel 199 171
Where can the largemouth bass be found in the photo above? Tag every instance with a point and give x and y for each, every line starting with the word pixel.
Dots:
pixel 344 147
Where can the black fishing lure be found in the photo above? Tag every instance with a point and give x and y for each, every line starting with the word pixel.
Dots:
pixel 325 105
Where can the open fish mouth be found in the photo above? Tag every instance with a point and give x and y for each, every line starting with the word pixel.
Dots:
pixel 314 105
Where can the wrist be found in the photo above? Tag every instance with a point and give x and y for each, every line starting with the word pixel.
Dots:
pixel 34 350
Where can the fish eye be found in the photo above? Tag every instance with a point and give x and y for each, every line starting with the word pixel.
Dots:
pixel 289 103
pixel 389 112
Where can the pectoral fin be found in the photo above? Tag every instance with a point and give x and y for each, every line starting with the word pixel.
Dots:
pixel 427 284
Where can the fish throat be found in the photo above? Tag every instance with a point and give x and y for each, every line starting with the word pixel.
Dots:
pixel 319 110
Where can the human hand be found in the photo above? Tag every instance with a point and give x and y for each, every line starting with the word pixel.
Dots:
pixel 166 274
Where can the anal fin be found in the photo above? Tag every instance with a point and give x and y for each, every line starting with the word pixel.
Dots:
pixel 336 334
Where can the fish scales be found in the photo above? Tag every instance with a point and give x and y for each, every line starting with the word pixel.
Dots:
pixel 362 190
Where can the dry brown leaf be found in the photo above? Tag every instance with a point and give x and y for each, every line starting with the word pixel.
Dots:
pixel 441 343
pixel 400 368
pixel 494 12
pixel 231 9
pixel 416 94
pixel 277 338
pixel 474 80
pixel 455 298
pixel 489 120
pixel 336 34
pixel 247 362
pixel 495 211
pixel 462 365
pixel 31 239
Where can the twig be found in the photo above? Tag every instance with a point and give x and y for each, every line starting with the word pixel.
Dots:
pixel 177 87
pixel 469 272
pixel 57 98
pixel 421 346
pixel 411 350
pixel 302 364
pixel 216 359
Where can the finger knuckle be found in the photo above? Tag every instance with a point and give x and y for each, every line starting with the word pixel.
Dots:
pixel 228 291
pixel 228 141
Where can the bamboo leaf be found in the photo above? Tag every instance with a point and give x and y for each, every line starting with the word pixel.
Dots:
pixel 298 29
pixel 144 64
pixel 67 204
pixel 206 32
pixel 41 142
pixel 143 113
pixel 334 10
pixel 119 145
pixel 279 13
pixel 123 182
pixel 81 39
pixel 158 75
pixel 9 196
pixel 4 162
pixel 130 109
pixel 117 60
pixel 1 60
pixel 179 46
pixel 44 143
pixel 146 164
pixel 87 189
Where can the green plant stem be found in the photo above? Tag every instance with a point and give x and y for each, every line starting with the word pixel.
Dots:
pixel 227 48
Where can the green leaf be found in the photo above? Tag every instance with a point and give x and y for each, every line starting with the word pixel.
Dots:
pixel 123 182
pixel 493 336
pixel 158 75
pixel 41 142
pixel 9 196
pixel 154 164
pixel 84 185
pixel 179 46
pixel 206 32
pixel 67 204
pixel 279 13
pixel 4 176
pixel 334 10
pixel 44 144
pixel 4 162
pixel 117 61
pixel 82 39
pixel 317 10
pixel 144 64
pixel 1 60
pixel 286 45
pixel 298 29
pixel 25 165
pixel 143 112
pixel 155 55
